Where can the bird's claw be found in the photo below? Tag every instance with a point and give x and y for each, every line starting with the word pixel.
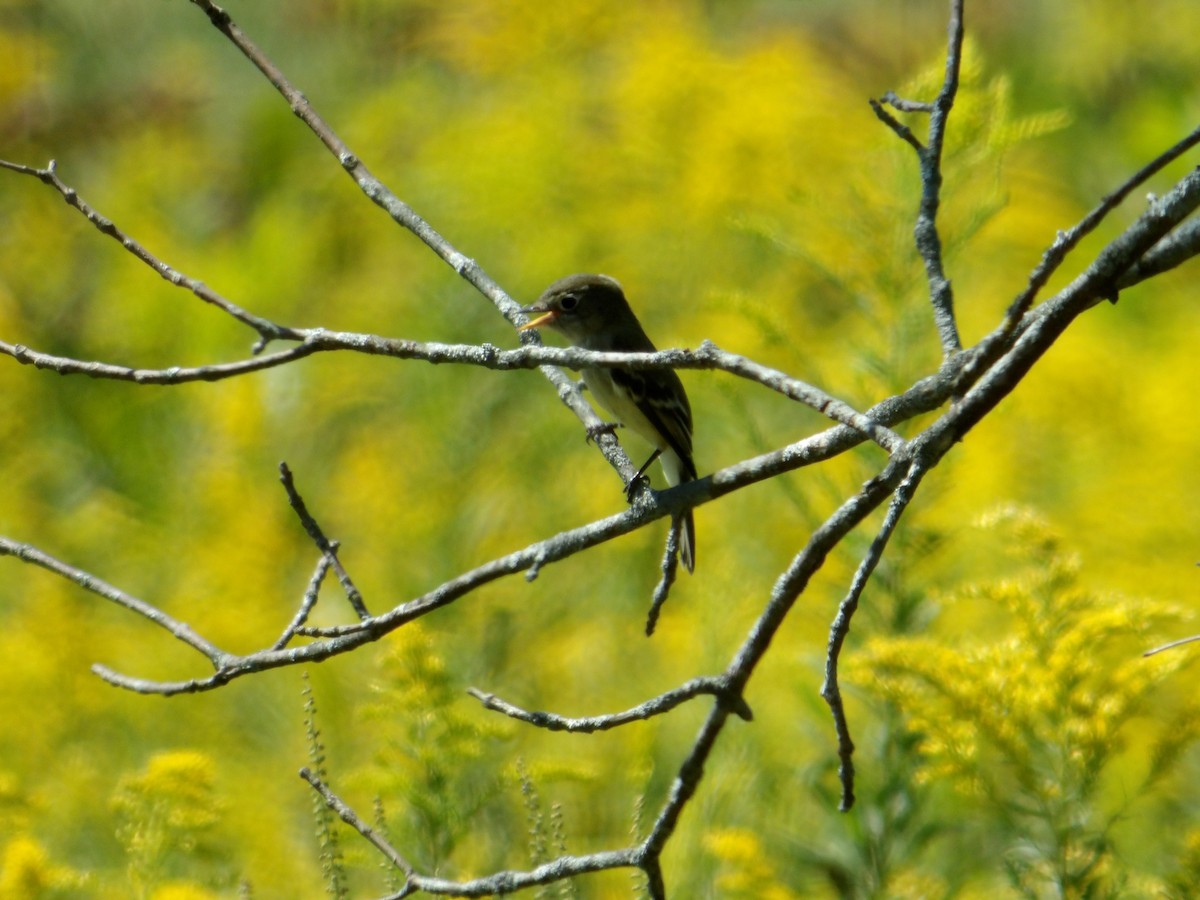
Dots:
pixel 636 484
pixel 594 432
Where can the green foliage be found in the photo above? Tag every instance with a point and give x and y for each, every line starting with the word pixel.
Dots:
pixel 167 817
pixel 432 755
pixel 1049 724
pixel 332 866
pixel 547 836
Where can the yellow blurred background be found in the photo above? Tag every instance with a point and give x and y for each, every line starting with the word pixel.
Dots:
pixel 721 160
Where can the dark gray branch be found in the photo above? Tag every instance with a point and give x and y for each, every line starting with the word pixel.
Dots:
pixel 925 232
pixel 831 690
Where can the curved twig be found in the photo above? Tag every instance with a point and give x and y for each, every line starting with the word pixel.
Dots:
pixel 717 686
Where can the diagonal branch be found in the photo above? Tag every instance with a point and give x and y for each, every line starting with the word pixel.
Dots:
pixel 307 602
pixel 179 630
pixel 1040 328
pixel 1170 253
pixel 327 547
pixel 372 187
pixel 266 329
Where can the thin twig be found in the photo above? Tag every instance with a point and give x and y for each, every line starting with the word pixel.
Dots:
pixel 670 569
pixel 1173 645
pixel 1175 250
pixel 929 242
pixel 904 105
pixel 929 156
pixel 372 187
pixel 179 630
pixel 831 690
pixel 351 818
pixel 173 375
pixel 656 706
pixel 326 546
pixel 307 602
pixel 902 131
pixel 266 329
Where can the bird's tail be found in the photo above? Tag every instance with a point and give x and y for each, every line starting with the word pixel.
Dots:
pixel 678 470
pixel 687 542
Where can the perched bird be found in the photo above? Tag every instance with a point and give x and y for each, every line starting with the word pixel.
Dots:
pixel 592 313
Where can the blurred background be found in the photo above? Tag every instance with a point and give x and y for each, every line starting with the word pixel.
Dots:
pixel 721 160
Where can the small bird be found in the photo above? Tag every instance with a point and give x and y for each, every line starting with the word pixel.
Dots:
pixel 592 313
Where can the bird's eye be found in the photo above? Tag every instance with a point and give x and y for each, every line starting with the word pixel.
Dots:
pixel 568 302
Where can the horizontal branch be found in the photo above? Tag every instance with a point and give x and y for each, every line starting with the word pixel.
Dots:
pixel 655 706
pixel 319 340
pixel 169 377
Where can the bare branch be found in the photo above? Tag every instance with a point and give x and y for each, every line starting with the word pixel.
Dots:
pixel 179 630
pixel 670 568
pixel 171 376
pixel 307 602
pixel 351 818
pixel 498 883
pixel 1068 240
pixel 318 340
pixel 372 187
pixel 1173 251
pixel 1173 644
pixel 928 240
pixel 831 689
pixel 902 131
pixel 655 706
pixel 784 595
pixel 904 105
pixel 1040 328
pixel 345 638
pixel 267 330
pixel 327 547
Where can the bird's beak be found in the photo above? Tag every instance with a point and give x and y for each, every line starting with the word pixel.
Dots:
pixel 547 316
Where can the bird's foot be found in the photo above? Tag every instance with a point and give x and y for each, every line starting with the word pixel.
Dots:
pixel 594 432
pixel 635 485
